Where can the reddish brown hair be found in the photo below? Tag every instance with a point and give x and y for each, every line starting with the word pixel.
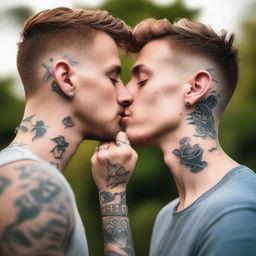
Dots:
pixel 63 27
pixel 193 38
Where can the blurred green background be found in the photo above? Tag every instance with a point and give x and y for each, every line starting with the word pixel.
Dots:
pixel 152 185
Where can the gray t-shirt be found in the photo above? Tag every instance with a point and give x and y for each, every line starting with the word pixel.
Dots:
pixel 222 222
pixel 78 243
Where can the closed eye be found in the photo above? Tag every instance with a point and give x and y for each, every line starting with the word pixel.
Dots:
pixel 143 82
pixel 113 80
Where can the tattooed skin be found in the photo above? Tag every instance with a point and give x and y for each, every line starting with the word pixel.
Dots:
pixel 106 197
pixel 190 156
pixel 116 231
pixel 212 149
pixel 72 62
pixel 116 225
pixel 4 183
pixel 60 148
pixel 202 118
pixel 68 122
pixel 213 75
pixel 42 223
pixel 22 126
pixel 116 175
pixel 56 88
pixel 48 67
pixel 40 129
pixel 120 142
pixel 48 72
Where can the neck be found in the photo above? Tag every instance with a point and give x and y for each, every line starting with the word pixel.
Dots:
pixel 52 135
pixel 195 160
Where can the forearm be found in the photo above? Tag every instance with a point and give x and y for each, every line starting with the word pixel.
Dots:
pixel 116 225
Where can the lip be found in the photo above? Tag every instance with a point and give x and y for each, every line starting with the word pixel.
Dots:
pixel 124 119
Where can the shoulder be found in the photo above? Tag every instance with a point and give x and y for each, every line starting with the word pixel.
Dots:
pixel 228 217
pixel 231 233
pixel 166 212
pixel 38 214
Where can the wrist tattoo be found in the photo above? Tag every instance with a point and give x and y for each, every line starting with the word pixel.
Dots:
pixel 114 210
pixel 106 197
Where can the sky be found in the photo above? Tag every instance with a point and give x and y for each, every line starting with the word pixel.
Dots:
pixel 220 14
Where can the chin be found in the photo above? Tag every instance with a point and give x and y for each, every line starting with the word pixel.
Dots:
pixel 105 134
pixel 139 138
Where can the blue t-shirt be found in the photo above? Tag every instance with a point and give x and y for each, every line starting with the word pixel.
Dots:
pixel 222 222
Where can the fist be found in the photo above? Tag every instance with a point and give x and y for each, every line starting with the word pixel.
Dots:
pixel 113 163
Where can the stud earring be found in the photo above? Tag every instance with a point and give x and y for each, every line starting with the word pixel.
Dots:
pixel 187 103
pixel 71 94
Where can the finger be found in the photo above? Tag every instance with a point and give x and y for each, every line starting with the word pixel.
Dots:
pixel 122 139
pixel 103 146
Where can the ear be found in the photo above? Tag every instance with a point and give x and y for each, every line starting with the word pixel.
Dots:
pixel 62 72
pixel 198 86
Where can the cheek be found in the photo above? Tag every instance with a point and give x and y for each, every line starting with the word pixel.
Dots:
pixel 163 106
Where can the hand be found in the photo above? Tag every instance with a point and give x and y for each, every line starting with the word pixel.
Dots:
pixel 113 164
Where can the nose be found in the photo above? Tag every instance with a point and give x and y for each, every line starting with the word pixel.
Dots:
pixel 124 98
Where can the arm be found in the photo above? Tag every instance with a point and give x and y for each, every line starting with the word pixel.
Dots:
pixel 112 166
pixel 36 215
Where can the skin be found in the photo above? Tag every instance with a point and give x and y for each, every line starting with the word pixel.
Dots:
pixel 38 217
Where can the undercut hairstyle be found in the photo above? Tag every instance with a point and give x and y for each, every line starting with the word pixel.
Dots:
pixel 61 27
pixel 193 38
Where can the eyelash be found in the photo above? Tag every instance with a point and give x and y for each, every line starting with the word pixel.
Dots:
pixel 113 80
pixel 142 83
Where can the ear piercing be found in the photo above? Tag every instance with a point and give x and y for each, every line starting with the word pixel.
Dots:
pixel 71 94
pixel 187 103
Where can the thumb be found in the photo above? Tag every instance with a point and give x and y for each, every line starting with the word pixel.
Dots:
pixel 121 138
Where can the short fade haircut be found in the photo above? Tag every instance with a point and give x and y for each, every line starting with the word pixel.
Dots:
pixel 52 29
pixel 193 38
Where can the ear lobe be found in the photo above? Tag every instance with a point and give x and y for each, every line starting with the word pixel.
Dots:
pixel 62 72
pixel 199 85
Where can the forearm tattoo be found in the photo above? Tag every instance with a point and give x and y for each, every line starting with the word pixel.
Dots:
pixel 116 226
pixel 117 175
pixel 191 156
pixel 42 224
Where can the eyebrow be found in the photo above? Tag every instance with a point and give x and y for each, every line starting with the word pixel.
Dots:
pixel 114 69
pixel 139 68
